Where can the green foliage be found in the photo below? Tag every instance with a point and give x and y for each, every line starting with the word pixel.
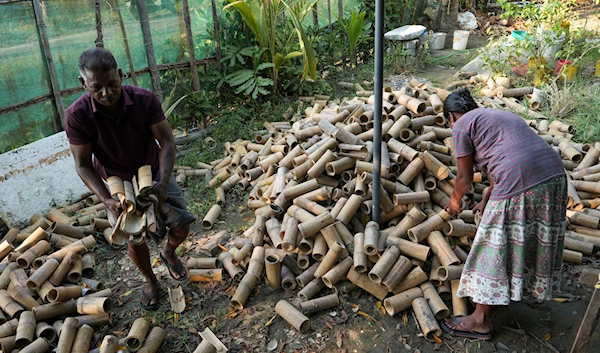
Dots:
pixel 353 29
pixel 264 17
pixel 250 82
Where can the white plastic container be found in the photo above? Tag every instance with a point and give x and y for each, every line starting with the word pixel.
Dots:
pixel 461 38
pixel 438 41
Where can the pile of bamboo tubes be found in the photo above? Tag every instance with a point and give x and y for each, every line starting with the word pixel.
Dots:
pixel 311 189
pixel 47 295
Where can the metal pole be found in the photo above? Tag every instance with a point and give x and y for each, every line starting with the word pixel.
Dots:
pixel 379 16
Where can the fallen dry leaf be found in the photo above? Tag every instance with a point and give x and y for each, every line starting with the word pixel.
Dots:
pixel 223 248
pixel 548 336
pixel 362 313
pixel 381 308
pixel 126 294
pixel 437 339
pixel 560 300
pixel 156 262
pixel 329 325
pixel 405 319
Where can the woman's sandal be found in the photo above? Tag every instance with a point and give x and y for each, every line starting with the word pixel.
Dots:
pixel 179 268
pixel 148 298
pixel 465 332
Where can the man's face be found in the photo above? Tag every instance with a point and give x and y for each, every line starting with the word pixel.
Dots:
pixel 103 86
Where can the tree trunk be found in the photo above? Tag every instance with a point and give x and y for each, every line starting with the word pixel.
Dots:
pixel 447 18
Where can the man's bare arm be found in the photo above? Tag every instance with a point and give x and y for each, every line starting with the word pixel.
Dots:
pixel 162 132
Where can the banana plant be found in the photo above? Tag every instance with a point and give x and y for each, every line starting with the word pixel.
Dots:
pixel 262 18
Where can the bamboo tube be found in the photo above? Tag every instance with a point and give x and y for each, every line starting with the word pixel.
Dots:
pixel 350 151
pixel 437 168
pixel 5 276
pixel 384 264
pixel 311 227
pixel 441 248
pixel 307 276
pixel 96 320
pixel 92 284
pixel 56 215
pixel 349 209
pixel 402 149
pixel 205 275
pixel 39 249
pixel 412 218
pixel 31 240
pixel 74 274
pixel 288 281
pixel 273 271
pixel 9 306
pixel 397 273
pixel 416 251
pixel 38 346
pixel 588 186
pixel 337 273
pixel 88 264
pixel 63 269
pixel 572 256
pixel 583 219
pixel 320 304
pixel 293 316
pixel 568 150
pixel 411 198
pixel 332 256
pixel 67 335
pixel 273 229
pixel 211 216
pixel 83 338
pixel 155 339
pixel 447 273
pixel 437 305
pixel 426 319
pixel 420 232
pixel 103 293
pixel 411 171
pixel 363 281
pixel 10 236
pixel 93 305
pixel 137 334
pixel 244 289
pixel 22 296
pixel 25 329
pixel 110 344
pixel 414 278
pixel 290 238
pixel 9 328
pixel 45 331
pixel 115 238
pixel 580 246
pixel 401 301
pixel 436 103
pixel 459 305
pixel 7 344
pixel 234 271
pixel 458 228
pixel 371 238
pixel 319 248
pixel 66 229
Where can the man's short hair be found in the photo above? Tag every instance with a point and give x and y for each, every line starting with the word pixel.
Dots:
pixel 97 59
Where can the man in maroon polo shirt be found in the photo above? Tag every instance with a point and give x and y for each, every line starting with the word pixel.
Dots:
pixel 114 130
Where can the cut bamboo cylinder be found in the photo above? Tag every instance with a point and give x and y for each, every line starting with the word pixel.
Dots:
pixel 293 316
pixel 459 305
pixel 310 228
pixel 437 305
pixel 31 240
pixel 307 276
pixel 458 228
pixel 205 275
pixel 234 271
pixel 441 248
pixel 25 330
pixel 9 328
pixel 360 258
pixel 66 229
pixel 411 171
pixel 74 274
pixel 88 264
pixel 155 339
pixel 401 301
pixel 447 273
pixel 273 230
pixel 371 238
pixel 333 255
pixel 243 291
pixel 83 338
pixel 288 281
pixel 40 345
pixel 67 335
pixel 137 334
pixel 60 294
pixel 583 219
pixel 437 168
pixel 416 251
pixel 319 248
pixel 572 256
pixel 412 279
pixel 63 269
pixel 411 198
pixel 363 281
pixel 290 238
pixel 422 231
pixel 26 258
pixel 426 319
pixel 9 306
pixel 515 92
pixel 110 344
pixel 337 273
pixel 273 271
pixel 384 264
pixel 350 208
pixel 580 246
pixel 320 304
pixel 93 305
pixel 45 331
pixel 257 262
pixel 7 344
pixel 397 273
pixel 211 216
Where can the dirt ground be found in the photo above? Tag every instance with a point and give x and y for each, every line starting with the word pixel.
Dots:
pixel 356 325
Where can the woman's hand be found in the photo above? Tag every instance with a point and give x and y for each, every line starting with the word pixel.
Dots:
pixel 479 208
pixel 113 206
pixel 453 207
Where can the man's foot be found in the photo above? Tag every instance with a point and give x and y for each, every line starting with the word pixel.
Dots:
pixel 176 268
pixel 150 297
pixel 468 326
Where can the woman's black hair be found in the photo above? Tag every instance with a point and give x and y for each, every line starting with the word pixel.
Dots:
pixel 459 102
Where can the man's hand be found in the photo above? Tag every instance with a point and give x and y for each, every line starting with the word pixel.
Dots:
pixel 453 207
pixel 113 206
pixel 160 189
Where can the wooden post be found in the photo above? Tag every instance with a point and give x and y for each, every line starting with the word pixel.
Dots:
pixel 588 324
pixel 315 16
pixel 154 74
pixel 58 123
pixel 190 41
pixel 100 38
pixel 217 34
pixel 125 42
pixel 341 8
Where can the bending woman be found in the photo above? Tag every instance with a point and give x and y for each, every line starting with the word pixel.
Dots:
pixel 519 243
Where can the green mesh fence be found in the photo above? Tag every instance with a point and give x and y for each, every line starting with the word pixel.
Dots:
pixel 71 28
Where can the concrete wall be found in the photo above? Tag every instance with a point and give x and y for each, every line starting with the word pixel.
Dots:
pixel 37 177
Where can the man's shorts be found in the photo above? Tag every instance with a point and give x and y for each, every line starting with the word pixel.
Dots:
pixel 173 212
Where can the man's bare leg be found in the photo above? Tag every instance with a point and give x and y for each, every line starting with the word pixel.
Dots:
pixel 176 236
pixel 140 255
